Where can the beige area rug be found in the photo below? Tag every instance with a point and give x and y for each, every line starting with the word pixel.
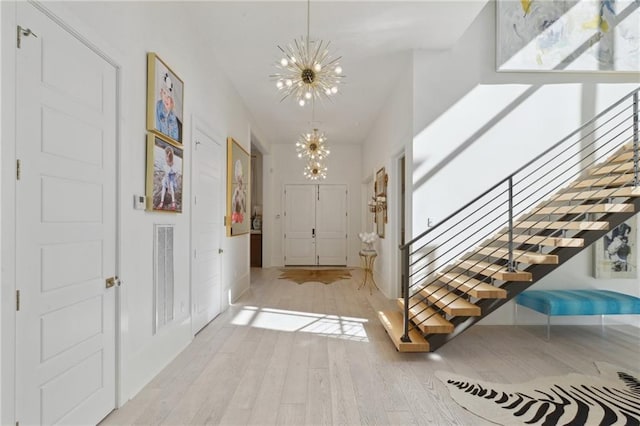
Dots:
pixel 612 398
pixel 325 276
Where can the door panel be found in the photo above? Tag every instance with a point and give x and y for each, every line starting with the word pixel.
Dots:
pixel 206 286
pixel 300 222
pixel 65 227
pixel 331 223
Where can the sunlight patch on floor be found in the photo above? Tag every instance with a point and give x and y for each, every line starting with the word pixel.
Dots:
pixel 337 326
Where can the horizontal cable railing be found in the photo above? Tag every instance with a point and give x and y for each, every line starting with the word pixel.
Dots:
pixel 507 215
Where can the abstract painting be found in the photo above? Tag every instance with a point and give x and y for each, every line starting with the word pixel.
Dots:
pixel 576 35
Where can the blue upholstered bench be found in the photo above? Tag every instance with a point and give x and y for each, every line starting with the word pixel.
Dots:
pixel 578 302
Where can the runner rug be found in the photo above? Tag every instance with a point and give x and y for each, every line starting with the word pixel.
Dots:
pixel 612 398
pixel 325 276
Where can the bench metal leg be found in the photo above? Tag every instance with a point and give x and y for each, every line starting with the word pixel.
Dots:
pixel 548 327
pixel 515 314
pixel 602 323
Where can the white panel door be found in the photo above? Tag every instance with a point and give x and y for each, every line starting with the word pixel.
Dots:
pixel 331 225
pixel 299 224
pixel 65 227
pixel 207 214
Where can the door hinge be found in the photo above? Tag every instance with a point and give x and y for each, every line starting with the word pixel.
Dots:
pixel 318 260
pixel 20 32
pixel 17 300
pixel 195 253
pixel 18 171
pixel 195 200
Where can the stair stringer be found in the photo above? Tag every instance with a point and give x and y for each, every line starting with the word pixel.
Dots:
pixel 513 289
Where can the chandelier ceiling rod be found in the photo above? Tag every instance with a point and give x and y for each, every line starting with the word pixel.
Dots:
pixel 308 21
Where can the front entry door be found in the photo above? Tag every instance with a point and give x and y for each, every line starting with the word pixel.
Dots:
pixel 65 226
pixel 315 225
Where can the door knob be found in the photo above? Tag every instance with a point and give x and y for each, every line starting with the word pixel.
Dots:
pixel 220 251
pixel 112 281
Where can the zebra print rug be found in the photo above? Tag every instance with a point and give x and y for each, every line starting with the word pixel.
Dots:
pixel 613 398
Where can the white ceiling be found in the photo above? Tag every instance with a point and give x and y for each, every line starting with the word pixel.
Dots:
pixel 373 38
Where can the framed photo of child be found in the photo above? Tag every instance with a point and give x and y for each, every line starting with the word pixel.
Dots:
pixel 237 220
pixel 164 99
pixel 164 175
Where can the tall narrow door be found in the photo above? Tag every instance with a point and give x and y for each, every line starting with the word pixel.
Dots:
pixel 65 226
pixel 331 225
pixel 206 231
pixel 299 224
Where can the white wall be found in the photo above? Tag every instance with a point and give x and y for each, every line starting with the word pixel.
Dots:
pixel 126 32
pixel 474 126
pixel 390 135
pixel 281 167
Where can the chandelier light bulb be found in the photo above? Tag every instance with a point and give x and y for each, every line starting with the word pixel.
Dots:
pixel 338 69
pixel 327 91
pixel 301 102
pixel 288 82
pixel 279 84
pixel 284 62
pixel 334 90
pixel 317 67
pixel 307 95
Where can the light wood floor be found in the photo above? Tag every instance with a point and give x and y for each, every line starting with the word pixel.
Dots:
pixel 316 354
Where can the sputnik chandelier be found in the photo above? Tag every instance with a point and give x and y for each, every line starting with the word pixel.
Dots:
pixel 312 146
pixel 307 70
pixel 315 171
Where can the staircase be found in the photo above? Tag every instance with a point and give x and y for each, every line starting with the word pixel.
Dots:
pixel 518 231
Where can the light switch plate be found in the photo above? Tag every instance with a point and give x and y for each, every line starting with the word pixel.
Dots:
pixel 139 202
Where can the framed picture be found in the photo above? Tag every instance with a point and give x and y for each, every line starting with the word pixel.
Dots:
pixel 380 189
pixel 164 175
pixel 568 35
pixel 164 100
pixel 237 220
pixel 615 253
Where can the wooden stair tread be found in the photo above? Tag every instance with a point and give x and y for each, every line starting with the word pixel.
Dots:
pixel 426 318
pixel 627 155
pixel 522 256
pixel 612 168
pixel 543 240
pixel 392 322
pixel 585 208
pixel 608 181
pixel 449 302
pixel 598 194
pixel 472 286
pixel 493 271
pixel 576 225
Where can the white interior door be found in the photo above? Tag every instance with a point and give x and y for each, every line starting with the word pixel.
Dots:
pixel 299 224
pixel 331 225
pixel 65 227
pixel 206 290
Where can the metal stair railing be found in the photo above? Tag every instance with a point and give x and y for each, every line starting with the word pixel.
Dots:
pixel 441 248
